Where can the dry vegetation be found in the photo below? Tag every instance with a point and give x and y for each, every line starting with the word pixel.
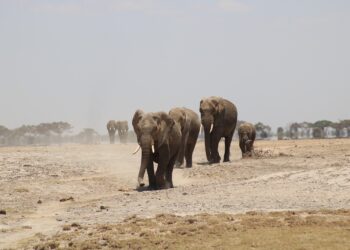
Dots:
pixel 84 196
pixel 276 230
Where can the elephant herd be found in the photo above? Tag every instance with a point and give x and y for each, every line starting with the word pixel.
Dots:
pixel 169 139
pixel 120 126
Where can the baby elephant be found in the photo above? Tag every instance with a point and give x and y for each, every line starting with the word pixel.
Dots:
pixel 246 133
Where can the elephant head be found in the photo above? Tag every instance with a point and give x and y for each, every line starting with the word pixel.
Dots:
pixel 179 115
pixel 111 127
pixel 212 112
pixel 152 131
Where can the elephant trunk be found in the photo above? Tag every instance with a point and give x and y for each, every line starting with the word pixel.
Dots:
pixel 111 137
pixel 146 146
pixel 207 132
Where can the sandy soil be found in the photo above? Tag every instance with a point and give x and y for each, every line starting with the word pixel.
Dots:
pixel 44 189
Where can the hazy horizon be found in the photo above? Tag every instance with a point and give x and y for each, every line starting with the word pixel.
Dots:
pixel 86 62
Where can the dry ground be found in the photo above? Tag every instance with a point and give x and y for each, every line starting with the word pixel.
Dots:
pixel 66 195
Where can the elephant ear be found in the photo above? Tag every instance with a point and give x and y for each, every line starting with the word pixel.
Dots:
pixel 200 106
pixel 167 119
pixel 183 120
pixel 185 127
pixel 135 122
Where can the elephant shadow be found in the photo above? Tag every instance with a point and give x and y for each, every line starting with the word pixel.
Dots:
pixel 144 189
pixel 204 163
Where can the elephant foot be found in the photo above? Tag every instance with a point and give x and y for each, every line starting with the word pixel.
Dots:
pixel 226 160
pixel 178 164
pixel 168 185
pixel 214 161
pixel 189 164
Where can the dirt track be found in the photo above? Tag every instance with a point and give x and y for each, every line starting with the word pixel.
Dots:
pixel 101 179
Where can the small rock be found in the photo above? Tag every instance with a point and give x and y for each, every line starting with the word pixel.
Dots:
pixel 103 207
pixel 66 228
pixel 39 202
pixel 103 242
pixel 67 199
pixel 74 224
pixel 184 193
pixel 2 212
pixel 27 227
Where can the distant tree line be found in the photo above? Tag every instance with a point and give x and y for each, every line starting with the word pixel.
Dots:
pixel 61 132
pixel 49 133
pixel 318 130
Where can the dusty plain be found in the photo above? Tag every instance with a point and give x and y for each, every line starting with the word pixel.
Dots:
pixel 291 195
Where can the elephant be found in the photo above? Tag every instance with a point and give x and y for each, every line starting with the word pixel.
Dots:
pixel 120 126
pixel 246 133
pixel 219 119
pixel 112 128
pixel 190 126
pixel 159 138
pixel 123 128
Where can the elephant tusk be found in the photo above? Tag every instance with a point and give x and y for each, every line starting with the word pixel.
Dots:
pixel 211 128
pixel 137 150
pixel 153 149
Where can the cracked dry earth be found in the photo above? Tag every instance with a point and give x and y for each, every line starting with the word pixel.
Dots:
pixel 44 189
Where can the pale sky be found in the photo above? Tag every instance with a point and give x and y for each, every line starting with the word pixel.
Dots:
pixel 86 62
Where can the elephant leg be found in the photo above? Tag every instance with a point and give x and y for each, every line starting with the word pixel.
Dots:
pixel 188 154
pixel 160 176
pixel 242 146
pixel 163 161
pixel 169 173
pixel 215 153
pixel 191 144
pixel 228 141
pixel 180 157
pixel 151 176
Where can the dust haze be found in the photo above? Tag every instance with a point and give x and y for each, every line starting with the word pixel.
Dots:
pixel 67 68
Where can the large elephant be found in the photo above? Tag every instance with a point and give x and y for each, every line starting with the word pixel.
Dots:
pixel 159 138
pixel 120 126
pixel 190 126
pixel 219 119
pixel 246 133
